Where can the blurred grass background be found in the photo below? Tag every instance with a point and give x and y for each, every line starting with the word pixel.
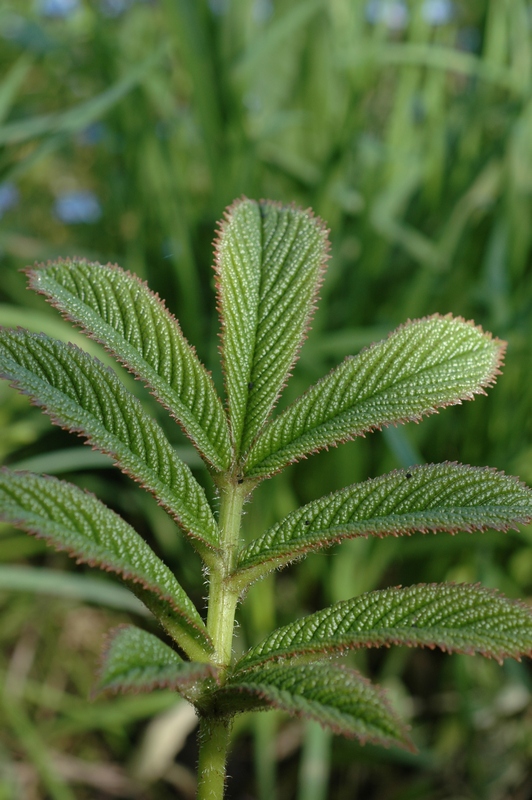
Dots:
pixel 126 127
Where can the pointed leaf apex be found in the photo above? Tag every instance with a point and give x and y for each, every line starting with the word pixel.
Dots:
pixel 269 262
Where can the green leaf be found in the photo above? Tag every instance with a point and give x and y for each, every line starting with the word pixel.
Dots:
pixel 422 366
pixel 78 392
pixel 338 698
pixel 73 520
pixel 134 660
pixel 455 617
pixel 270 261
pixel 118 310
pixel 429 498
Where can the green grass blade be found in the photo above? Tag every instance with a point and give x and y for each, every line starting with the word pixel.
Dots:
pixel 77 118
pixel 84 588
pixel 79 393
pixel 136 661
pixel 270 261
pixel 422 366
pixel 118 310
pixel 74 520
pixel 454 617
pixel 339 699
pixel 429 498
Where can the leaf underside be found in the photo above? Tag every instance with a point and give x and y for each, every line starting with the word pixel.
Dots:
pixel 433 497
pixel 269 262
pixel 459 618
pixel 118 310
pixel 136 661
pixel 338 698
pixel 73 520
pixel 81 394
pixel 422 366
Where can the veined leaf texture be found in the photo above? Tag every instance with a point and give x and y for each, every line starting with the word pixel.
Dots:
pixel 269 263
pixel 79 393
pixel 74 520
pixel 422 366
pixel 118 310
pixel 433 497
pixel 136 661
pixel 454 617
pixel 336 697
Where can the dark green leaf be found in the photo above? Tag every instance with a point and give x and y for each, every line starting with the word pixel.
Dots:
pixel 74 520
pixel 422 366
pixel 118 310
pixel 134 660
pixel 338 698
pixel 269 261
pixel 78 392
pixel 433 497
pixel 455 617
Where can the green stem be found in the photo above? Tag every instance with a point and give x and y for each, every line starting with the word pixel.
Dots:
pixel 214 734
pixel 214 737
pixel 223 597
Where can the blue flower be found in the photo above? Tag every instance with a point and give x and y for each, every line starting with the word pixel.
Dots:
pixel 9 197
pixel 437 12
pixel 78 207
pixel 393 14
pixel 57 8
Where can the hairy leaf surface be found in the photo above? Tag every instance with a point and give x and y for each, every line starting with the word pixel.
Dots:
pixel 338 698
pixel 269 263
pixel 422 366
pixel 73 520
pixel 134 660
pixel 118 310
pixel 456 618
pixel 78 392
pixel 428 498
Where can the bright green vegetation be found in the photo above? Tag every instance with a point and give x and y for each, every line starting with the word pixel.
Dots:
pixel 269 262
pixel 413 143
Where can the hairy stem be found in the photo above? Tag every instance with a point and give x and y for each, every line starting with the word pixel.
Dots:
pixel 222 596
pixel 214 734
pixel 214 737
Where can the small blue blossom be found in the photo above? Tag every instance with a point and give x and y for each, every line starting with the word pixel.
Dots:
pixel 262 10
pixel 57 8
pixel 92 134
pixel 437 12
pixel 78 207
pixel 9 197
pixel 218 7
pixel 393 14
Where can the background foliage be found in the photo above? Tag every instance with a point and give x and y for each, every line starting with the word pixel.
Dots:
pixel 126 126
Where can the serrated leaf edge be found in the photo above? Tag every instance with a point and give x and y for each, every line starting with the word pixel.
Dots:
pixel 209 670
pixel 32 275
pixel 219 233
pixel 125 574
pixel 204 546
pixel 279 562
pixel 386 641
pixel 254 471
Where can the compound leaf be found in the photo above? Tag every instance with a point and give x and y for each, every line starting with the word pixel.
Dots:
pixel 118 310
pixel 456 618
pixel 338 698
pixel 78 392
pixel 73 520
pixel 269 262
pixel 134 660
pixel 432 497
pixel 422 366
